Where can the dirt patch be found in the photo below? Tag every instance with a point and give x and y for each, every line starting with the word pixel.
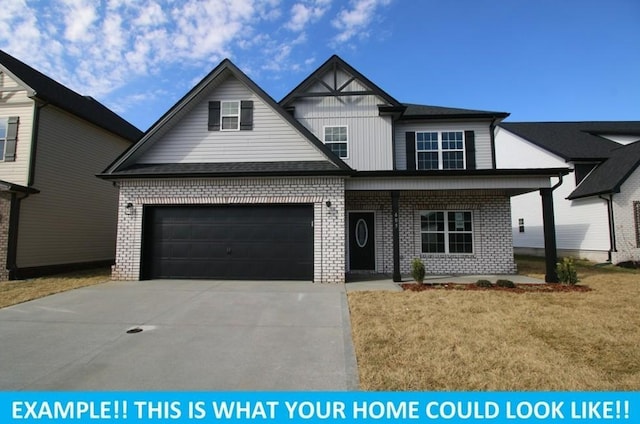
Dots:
pixel 519 288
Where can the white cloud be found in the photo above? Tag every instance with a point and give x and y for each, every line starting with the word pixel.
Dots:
pixel 303 13
pixel 355 20
pixel 111 47
pixel 79 16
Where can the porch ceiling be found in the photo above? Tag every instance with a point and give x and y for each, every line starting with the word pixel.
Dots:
pixel 510 182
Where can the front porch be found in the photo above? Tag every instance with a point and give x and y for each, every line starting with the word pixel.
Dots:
pixel 478 240
pixel 457 223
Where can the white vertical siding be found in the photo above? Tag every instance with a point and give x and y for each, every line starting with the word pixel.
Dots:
pixel 73 218
pixel 513 151
pixel 581 225
pixel 369 134
pixel 16 103
pixel 482 139
pixel 622 139
pixel 271 139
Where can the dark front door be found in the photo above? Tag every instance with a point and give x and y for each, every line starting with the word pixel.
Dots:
pixel 362 251
pixel 256 242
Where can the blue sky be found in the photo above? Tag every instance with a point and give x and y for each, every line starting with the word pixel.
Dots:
pixel 540 60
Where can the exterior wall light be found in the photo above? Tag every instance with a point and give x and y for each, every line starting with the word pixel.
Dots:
pixel 129 210
pixel 328 203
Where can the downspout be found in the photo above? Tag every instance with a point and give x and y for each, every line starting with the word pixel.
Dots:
pixel 12 238
pixel 612 231
pixel 34 142
pixel 492 135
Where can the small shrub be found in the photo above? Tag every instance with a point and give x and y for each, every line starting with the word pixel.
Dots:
pixel 566 270
pixel 417 270
pixel 506 283
pixel 484 283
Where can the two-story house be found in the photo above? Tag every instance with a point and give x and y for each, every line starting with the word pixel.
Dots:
pixel 597 209
pixel 338 177
pixel 54 214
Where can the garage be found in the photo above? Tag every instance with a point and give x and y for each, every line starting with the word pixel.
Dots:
pixel 243 242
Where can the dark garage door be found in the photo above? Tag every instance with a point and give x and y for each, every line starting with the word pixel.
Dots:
pixel 270 242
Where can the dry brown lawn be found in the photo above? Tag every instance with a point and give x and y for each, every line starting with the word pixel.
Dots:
pixel 13 292
pixel 490 340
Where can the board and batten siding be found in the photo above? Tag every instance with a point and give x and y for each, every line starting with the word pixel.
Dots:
pixel 581 225
pixel 74 217
pixel 480 129
pixel 368 134
pixel 17 103
pixel 271 139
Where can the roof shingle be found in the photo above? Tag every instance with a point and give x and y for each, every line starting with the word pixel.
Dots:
pixel 53 92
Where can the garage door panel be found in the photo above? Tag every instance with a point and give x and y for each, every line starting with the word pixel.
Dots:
pixel 261 242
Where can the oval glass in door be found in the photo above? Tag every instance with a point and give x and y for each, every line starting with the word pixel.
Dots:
pixel 362 233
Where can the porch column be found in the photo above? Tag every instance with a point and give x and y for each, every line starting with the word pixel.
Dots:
pixel 395 215
pixel 549 225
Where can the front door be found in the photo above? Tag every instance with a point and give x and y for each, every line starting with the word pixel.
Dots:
pixel 362 252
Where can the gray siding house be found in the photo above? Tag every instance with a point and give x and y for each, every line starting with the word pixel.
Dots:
pixel 54 214
pixel 335 179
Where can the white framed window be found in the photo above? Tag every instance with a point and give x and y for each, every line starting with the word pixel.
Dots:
pixel 336 138
pixel 446 231
pixel 3 136
pixel 230 115
pixel 440 150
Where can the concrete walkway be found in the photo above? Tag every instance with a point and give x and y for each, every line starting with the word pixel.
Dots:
pixel 196 335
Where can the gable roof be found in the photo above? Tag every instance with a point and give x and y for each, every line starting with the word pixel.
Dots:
pixel 334 63
pixel 581 141
pixel 609 176
pixel 414 111
pixel 47 90
pixel 188 101
pixel 572 141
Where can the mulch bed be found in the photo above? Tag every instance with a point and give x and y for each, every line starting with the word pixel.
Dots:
pixel 520 288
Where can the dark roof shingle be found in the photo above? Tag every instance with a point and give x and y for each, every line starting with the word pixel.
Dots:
pixel 569 140
pixel 53 92
pixel 227 169
pixel 611 174
pixel 414 111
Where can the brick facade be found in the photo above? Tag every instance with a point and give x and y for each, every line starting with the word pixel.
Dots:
pixel 329 244
pixel 492 237
pixel 626 225
pixel 5 215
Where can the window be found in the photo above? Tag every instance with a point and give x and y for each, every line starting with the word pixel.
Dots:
pixel 521 225
pixel 230 116
pixel 336 139
pixel 440 150
pixel 446 231
pixel 3 137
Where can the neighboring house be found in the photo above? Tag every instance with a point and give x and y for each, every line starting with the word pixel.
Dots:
pixel 54 214
pixel 597 212
pixel 338 177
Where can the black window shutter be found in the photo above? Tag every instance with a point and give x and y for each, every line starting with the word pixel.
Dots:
pixel 214 116
pixel 470 149
pixel 410 138
pixel 246 115
pixel 12 138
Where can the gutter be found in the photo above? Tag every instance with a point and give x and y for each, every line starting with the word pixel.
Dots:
pixel 612 231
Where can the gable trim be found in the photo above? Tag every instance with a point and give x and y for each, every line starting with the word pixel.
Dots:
pixel 220 71
pixel 332 64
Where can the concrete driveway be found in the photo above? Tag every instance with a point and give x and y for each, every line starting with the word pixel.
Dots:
pixel 196 335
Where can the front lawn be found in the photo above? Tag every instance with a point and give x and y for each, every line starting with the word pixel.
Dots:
pixel 493 340
pixel 13 292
